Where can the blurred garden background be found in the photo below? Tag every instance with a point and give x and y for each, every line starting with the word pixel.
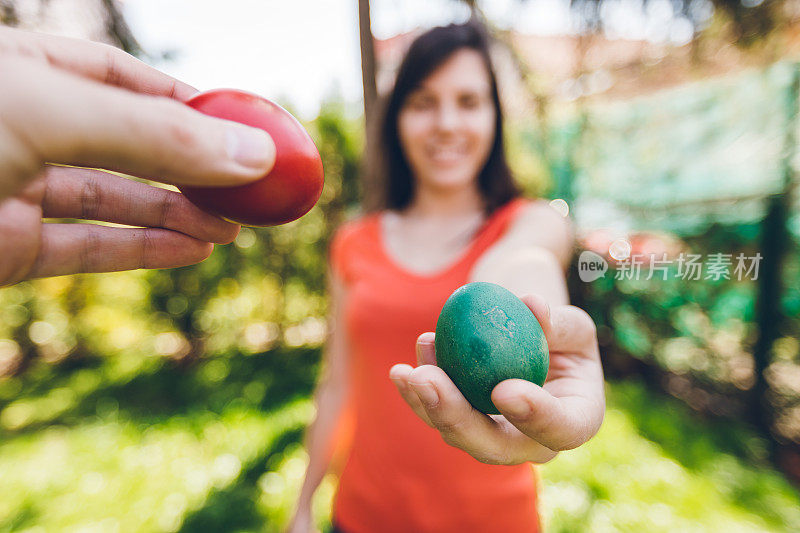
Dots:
pixel 177 400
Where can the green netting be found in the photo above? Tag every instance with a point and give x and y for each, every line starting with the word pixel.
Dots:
pixel 705 152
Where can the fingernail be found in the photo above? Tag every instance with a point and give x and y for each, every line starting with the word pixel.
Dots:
pixel 427 393
pixel 421 355
pixel 516 407
pixel 250 147
pixel 426 354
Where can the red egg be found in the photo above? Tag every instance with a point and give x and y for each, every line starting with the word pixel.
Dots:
pixel 286 192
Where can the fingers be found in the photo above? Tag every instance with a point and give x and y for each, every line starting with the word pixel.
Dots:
pixel 95 195
pixel 541 310
pixel 557 423
pixel 569 410
pixel 399 375
pixel 88 124
pixel 536 422
pixel 573 329
pixel 79 248
pixel 437 401
pixel 456 420
pixel 19 239
pixel 426 351
pixel 489 440
pixel 100 62
pixel 566 327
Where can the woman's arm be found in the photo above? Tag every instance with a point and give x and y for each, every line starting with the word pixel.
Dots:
pixel 532 257
pixel 330 397
pixel 536 422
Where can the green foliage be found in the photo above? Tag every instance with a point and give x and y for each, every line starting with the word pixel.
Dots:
pixel 654 466
pixel 116 475
pixel 693 170
pixel 703 331
pixel 176 400
pixel 201 464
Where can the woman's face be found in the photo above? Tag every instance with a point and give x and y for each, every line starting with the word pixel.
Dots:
pixel 447 124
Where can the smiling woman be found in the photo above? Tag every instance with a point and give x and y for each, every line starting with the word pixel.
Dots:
pixel 441 122
pixel 448 213
pixel 447 123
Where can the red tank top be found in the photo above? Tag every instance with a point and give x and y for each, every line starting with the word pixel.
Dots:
pixel 400 476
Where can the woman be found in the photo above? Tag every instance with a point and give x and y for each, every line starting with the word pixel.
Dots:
pixel 450 214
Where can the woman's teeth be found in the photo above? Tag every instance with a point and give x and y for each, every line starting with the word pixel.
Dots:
pixel 447 154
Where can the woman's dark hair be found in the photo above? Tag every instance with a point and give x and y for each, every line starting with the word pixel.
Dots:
pixel 391 172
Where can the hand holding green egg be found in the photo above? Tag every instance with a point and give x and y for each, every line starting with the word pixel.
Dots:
pixel 537 366
pixel 486 335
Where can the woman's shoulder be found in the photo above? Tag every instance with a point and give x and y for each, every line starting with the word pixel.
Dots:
pixel 541 223
pixel 540 211
pixel 354 234
pixel 350 243
pixel 354 226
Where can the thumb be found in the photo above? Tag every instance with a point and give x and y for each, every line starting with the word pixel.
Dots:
pixel 86 123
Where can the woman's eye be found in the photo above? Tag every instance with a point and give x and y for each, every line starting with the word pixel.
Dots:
pixel 420 102
pixel 470 102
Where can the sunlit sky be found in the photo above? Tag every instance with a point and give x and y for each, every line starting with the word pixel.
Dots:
pixel 299 51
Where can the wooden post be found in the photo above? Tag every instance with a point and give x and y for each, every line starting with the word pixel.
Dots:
pixel 370 183
pixel 368 68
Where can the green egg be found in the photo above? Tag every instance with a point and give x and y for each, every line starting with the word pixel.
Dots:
pixel 485 335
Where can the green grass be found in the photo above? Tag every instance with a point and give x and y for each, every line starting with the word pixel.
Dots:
pixel 117 476
pixel 654 466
